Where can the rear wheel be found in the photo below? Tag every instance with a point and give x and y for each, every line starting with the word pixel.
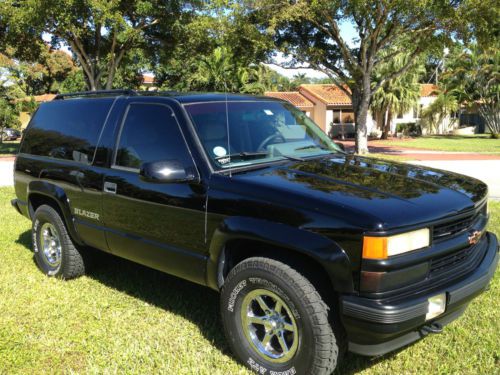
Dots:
pixel 276 321
pixel 55 253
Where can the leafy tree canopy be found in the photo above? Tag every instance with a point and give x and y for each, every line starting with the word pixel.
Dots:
pixel 398 95
pixel 40 76
pixel 99 33
pixel 310 32
pixel 473 77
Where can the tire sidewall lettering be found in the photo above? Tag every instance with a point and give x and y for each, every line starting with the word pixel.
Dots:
pixel 39 257
pixel 259 369
pixel 238 291
pixel 34 235
pixel 234 294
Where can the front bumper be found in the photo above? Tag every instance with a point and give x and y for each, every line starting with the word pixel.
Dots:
pixel 376 327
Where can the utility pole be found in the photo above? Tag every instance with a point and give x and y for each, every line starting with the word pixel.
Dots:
pixel 446 51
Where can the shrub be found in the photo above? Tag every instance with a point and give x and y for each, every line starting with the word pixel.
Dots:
pixel 409 128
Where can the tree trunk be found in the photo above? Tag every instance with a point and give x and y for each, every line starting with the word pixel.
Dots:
pixel 491 116
pixel 109 82
pixel 361 103
pixel 387 125
pixel 49 86
pixel 384 125
pixel 92 84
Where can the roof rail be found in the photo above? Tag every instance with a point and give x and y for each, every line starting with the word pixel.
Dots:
pixel 96 93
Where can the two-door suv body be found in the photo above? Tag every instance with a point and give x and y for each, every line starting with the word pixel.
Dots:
pixel 314 251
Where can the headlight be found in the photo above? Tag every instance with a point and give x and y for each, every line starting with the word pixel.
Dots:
pixel 384 247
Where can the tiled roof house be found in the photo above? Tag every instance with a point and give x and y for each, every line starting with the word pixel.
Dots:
pixel 328 105
pixel 294 97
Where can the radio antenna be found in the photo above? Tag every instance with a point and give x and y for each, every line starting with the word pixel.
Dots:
pixel 227 128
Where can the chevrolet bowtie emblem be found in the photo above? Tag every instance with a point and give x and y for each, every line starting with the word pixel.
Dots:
pixel 474 237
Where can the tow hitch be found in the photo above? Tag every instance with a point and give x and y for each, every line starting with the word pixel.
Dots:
pixel 431 328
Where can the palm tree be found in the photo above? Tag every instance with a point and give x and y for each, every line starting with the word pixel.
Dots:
pixel 396 96
pixel 256 79
pixel 474 77
pixel 214 72
pixel 250 80
pixel 221 71
pixel 443 107
pixel 299 79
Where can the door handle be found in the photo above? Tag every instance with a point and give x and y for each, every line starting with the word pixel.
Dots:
pixel 110 187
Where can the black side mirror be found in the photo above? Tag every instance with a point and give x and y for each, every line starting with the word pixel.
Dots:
pixel 165 171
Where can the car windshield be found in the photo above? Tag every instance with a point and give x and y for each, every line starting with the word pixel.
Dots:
pixel 259 132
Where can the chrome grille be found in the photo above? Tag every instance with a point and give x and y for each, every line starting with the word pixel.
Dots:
pixel 458 263
pixel 449 228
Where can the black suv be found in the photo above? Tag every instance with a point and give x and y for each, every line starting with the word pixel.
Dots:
pixel 314 251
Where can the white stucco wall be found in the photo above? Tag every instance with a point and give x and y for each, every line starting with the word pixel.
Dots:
pixel 329 120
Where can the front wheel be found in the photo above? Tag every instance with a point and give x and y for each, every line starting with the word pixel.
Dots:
pixel 275 320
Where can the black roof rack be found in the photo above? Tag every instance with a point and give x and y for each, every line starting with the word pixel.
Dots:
pixel 96 93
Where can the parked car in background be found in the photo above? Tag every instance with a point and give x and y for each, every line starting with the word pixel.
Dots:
pixel 9 134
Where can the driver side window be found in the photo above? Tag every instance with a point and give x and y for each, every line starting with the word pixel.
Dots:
pixel 150 133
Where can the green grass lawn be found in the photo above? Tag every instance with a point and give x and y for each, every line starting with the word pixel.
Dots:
pixel 391 157
pixel 476 143
pixel 9 148
pixel 122 317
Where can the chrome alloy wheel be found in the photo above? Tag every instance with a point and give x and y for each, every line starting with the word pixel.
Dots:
pixel 269 326
pixel 51 245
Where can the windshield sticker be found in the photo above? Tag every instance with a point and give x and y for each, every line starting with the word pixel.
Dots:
pixel 224 160
pixel 219 151
pixel 268 112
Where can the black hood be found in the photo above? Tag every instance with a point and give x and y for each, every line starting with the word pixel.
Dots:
pixel 390 194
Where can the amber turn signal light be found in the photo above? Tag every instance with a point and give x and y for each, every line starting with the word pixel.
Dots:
pixel 375 247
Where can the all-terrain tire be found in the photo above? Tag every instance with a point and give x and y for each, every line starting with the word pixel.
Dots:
pixel 68 263
pixel 317 350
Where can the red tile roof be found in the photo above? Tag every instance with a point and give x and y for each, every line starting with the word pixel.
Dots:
pixel 294 97
pixel 428 89
pixel 148 79
pixel 329 94
pixel 44 98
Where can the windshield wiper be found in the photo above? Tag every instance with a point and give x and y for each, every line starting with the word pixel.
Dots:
pixel 243 155
pixel 251 155
pixel 310 146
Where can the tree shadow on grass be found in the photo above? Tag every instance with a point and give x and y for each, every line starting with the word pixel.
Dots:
pixel 196 303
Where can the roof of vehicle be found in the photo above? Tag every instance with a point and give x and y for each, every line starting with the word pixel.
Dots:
pixel 182 97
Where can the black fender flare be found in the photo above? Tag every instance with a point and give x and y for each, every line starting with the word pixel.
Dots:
pixel 323 250
pixel 56 194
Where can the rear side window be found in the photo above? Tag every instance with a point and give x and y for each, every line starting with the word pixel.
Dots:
pixel 150 133
pixel 67 129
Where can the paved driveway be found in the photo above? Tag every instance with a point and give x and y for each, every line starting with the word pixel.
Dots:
pixel 6 173
pixel 484 170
